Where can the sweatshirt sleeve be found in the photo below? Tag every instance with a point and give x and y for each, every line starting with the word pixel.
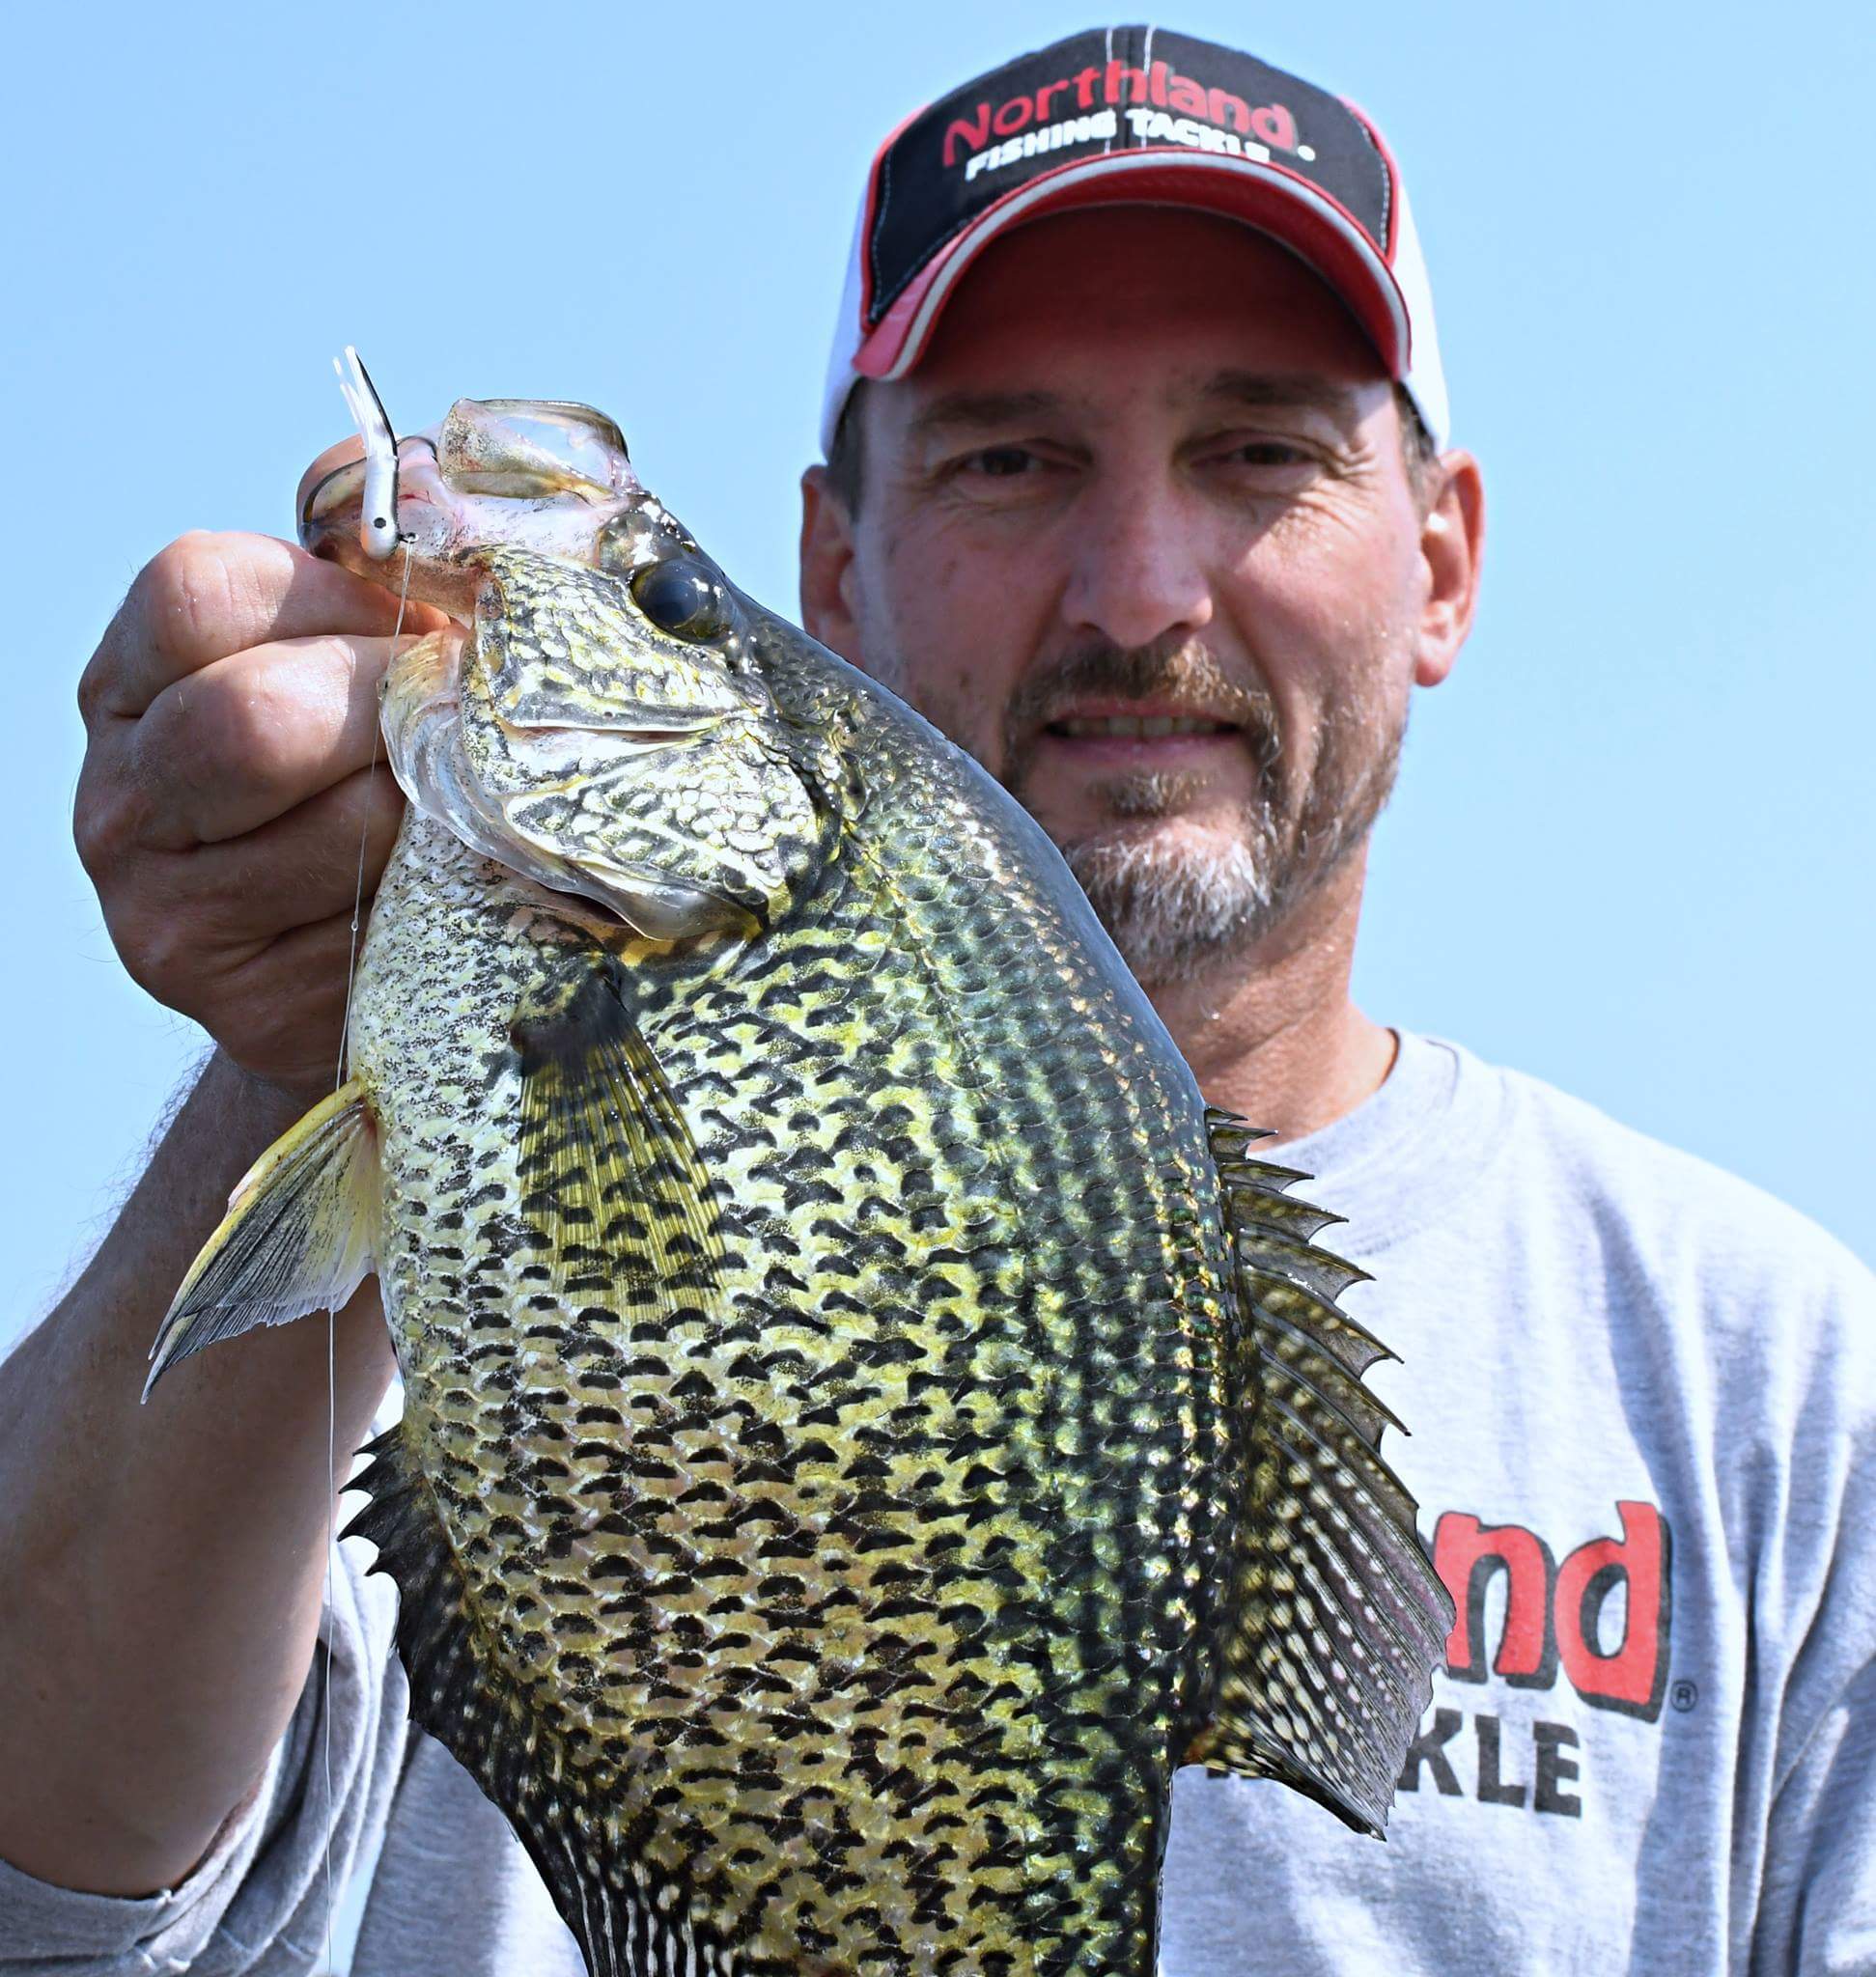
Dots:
pixel 1816 1910
pixel 257 1902
pixel 1817 1903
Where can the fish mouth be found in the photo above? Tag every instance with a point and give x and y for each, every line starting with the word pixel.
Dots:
pixel 537 476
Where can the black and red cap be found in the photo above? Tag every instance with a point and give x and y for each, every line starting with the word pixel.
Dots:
pixel 1133 116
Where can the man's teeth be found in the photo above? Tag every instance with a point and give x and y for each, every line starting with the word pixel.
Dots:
pixel 1135 727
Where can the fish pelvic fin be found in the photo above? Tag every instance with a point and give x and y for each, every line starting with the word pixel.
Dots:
pixel 612 1186
pixel 300 1234
pixel 1334 1619
pixel 629 1919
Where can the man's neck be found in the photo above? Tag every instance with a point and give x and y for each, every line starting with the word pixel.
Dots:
pixel 1272 1034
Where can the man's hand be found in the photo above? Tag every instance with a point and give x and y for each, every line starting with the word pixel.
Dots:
pixel 162 1566
pixel 229 793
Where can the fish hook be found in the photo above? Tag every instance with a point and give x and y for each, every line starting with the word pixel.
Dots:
pixel 377 522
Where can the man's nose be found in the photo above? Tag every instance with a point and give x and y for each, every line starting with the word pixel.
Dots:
pixel 1137 573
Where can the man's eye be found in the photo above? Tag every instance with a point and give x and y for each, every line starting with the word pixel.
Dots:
pixel 1266 453
pixel 1000 462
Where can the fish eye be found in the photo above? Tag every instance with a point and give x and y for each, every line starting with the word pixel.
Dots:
pixel 682 597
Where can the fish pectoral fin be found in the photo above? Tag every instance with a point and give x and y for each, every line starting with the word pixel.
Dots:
pixel 1335 1617
pixel 630 1918
pixel 299 1235
pixel 611 1180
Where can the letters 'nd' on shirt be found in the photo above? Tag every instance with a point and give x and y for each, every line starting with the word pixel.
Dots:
pixel 1641 1396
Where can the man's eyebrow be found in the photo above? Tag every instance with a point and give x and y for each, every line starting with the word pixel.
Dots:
pixel 979 410
pixel 1302 391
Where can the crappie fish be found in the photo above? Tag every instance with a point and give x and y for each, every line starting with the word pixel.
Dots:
pixel 866 1421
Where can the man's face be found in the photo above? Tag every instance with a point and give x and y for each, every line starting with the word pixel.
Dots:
pixel 1139 532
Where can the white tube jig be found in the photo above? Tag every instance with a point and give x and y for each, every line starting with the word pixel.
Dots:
pixel 377 520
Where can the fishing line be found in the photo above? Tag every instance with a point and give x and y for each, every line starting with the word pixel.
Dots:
pixel 364 836
pixel 331 1317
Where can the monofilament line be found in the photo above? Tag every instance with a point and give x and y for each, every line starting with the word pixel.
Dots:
pixel 331 1317
pixel 364 839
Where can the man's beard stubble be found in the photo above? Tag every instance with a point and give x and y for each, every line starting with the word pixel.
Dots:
pixel 1173 907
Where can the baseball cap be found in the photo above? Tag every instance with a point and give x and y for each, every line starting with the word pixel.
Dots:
pixel 1133 116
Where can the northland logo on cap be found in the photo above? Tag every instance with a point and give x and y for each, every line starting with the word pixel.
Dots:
pixel 1132 115
pixel 1158 105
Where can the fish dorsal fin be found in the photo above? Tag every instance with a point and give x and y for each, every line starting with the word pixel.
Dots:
pixel 629 1921
pixel 298 1235
pixel 1333 1619
pixel 612 1183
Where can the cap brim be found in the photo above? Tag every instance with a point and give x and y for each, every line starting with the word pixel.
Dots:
pixel 1275 201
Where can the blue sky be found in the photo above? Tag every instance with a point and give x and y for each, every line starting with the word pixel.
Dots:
pixel 1632 845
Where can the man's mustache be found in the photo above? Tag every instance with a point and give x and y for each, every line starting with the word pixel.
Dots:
pixel 1176 675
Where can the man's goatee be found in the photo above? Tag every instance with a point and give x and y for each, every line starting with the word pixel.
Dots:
pixel 1174 906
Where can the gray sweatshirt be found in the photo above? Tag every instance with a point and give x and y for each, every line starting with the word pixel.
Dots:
pixel 1642 1396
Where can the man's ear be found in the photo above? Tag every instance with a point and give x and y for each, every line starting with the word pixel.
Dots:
pixel 1452 548
pixel 827 567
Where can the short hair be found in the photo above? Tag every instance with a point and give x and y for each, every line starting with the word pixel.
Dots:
pixel 846 455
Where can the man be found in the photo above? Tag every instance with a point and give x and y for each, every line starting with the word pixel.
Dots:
pixel 1144 500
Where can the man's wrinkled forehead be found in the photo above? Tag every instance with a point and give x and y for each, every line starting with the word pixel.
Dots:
pixel 945 414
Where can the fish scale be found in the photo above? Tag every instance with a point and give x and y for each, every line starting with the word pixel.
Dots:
pixel 930 1364
pixel 866 1421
